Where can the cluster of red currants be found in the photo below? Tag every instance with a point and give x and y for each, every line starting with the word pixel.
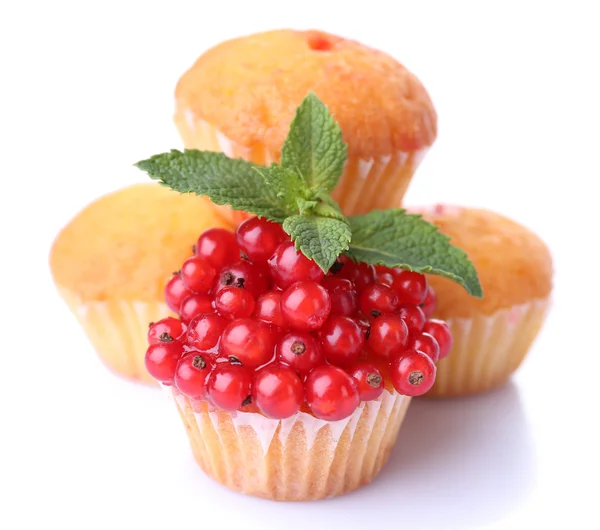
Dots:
pixel 261 323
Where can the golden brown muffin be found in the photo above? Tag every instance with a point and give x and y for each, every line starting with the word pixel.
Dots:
pixel 491 335
pixel 111 262
pixel 240 97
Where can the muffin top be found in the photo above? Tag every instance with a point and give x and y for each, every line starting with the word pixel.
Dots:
pixel 126 244
pixel 249 88
pixel 514 265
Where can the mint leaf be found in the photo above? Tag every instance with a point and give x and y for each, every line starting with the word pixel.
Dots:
pixel 287 185
pixel 229 181
pixel 314 146
pixel 396 239
pixel 305 207
pixel 321 239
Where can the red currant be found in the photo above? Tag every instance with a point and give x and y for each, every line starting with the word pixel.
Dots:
pixel 277 391
pixel 232 302
pixel 440 331
pixel 411 287
pixel 377 299
pixel 289 266
pixel 430 302
pixel 229 386
pixel 413 316
pixel 369 381
pixel 218 247
pixel 331 393
pixel 387 336
pixel 175 293
pixel 243 275
pixel 165 330
pixel 342 295
pixel 161 360
pixel 342 339
pixel 412 373
pixel 305 305
pixel 301 351
pixel 197 274
pixel 385 276
pixel 426 344
pixel 191 375
pixel 258 238
pixel 360 274
pixel 268 309
pixel 204 331
pixel 195 305
pixel 250 341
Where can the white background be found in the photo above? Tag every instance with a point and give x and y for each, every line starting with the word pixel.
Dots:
pixel 86 90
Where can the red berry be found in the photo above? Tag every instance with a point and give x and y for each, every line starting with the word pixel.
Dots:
pixel 411 287
pixel 232 302
pixel 428 305
pixel 289 266
pixel 268 309
pixel 331 393
pixel 342 339
pixel 301 351
pixel 197 274
pixel 426 344
pixel 175 293
pixel 412 373
pixel 413 316
pixel 250 341
pixel 387 336
pixel 229 386
pixel 161 360
pixel 194 305
pixel 385 277
pixel 305 305
pixel 440 331
pixel 258 238
pixel 191 375
pixel 360 274
pixel 204 331
pixel 165 330
pixel 369 381
pixel 277 391
pixel 342 295
pixel 218 247
pixel 377 299
pixel 243 275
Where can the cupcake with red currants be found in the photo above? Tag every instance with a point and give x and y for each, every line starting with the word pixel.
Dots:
pixel 293 381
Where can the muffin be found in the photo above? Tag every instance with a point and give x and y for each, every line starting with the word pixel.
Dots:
pixel 111 261
pixel 240 96
pixel 491 336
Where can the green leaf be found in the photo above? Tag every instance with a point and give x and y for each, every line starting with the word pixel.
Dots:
pixel 314 146
pixel 396 239
pixel 321 239
pixel 305 207
pixel 229 181
pixel 287 185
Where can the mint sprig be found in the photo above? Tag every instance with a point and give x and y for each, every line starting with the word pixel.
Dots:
pixel 296 194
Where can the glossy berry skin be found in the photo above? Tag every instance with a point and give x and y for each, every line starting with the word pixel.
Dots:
pixel 414 317
pixel 288 266
pixel 387 336
pixel 429 303
pixel 243 275
pixel 385 277
pixel 426 344
pixel 232 302
pixel 217 247
pixel 412 373
pixel 248 340
pixel 305 306
pixel 360 274
pixel 277 391
pixel 268 309
pixel 411 287
pixel 204 331
pixel 440 331
pixel 229 386
pixel 331 393
pixel 301 351
pixel 194 305
pixel 175 293
pixel 342 340
pixel 369 381
pixel 192 374
pixel 377 299
pixel 342 295
pixel 258 238
pixel 161 360
pixel 197 274
pixel 165 330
